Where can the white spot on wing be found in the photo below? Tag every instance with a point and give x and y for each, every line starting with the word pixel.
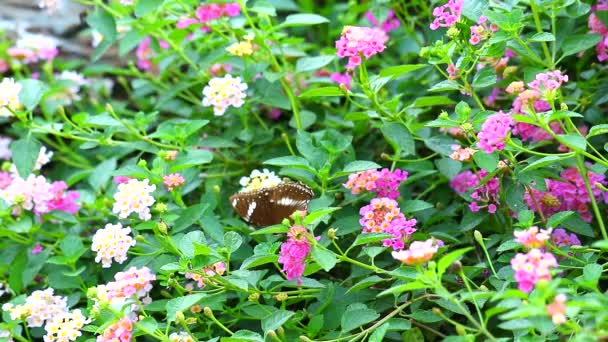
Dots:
pixel 250 210
pixel 287 201
pixel 234 202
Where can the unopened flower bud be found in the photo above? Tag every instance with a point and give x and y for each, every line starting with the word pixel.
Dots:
pixel 437 311
pixel 191 320
pixel 162 227
pixel 6 166
pixel 432 265
pixel 165 294
pixel 216 189
pixel 142 163
pixel 478 237
pixel 92 292
pixel 305 339
pixel 282 296
pixel 179 317
pixel 460 330
pixel 285 222
pixel 343 88
pixel 281 332
pixel 18 199
pixel 456 267
pixel 208 312
pixel 385 156
pixel 563 106
pixel 467 127
pixel 254 297
pixel 273 335
pixel 140 238
pixel 331 233
pixel 160 208
pixel 444 115
pixel 452 33
pixel 483 288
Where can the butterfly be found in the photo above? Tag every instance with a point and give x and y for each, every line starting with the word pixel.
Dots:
pixel 269 206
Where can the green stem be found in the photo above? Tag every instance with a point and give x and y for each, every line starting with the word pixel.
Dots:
pixel 539 29
pixel 583 171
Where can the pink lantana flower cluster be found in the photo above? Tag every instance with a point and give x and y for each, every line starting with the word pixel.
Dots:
pixel 121 331
pixel 218 268
pixel 112 242
pixel 462 154
pixel 210 12
pixel 418 252
pixel 532 267
pixel 356 41
pixel 494 132
pixel 145 53
pixel 173 181
pixel 596 26
pixel 557 309
pixel 560 238
pixel 133 282
pixel 342 79
pixel 389 24
pixel 383 215
pixel 484 196
pixel 482 30
pixel 134 197
pixel 294 252
pixel 447 15
pixel 533 237
pixel 384 183
pixel 32 48
pixel 570 193
pixel 36 194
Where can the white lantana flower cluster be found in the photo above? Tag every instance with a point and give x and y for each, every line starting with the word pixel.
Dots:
pixel 258 180
pixel 39 307
pixel 112 242
pixel 65 327
pixel 134 197
pixel 182 336
pixel 71 92
pixel 223 92
pixel 9 96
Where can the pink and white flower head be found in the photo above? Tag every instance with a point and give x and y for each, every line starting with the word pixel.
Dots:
pixel 135 282
pixel 76 81
pixel 39 308
pixel 182 336
pixel 495 132
pixel 484 196
pixel 358 41
pixel 219 69
pixel 223 92
pixel 532 237
pixel 218 268
pixel 32 194
pixel 173 181
pixel 112 242
pixel 35 47
pixel 134 197
pixel 65 327
pixel 121 331
pixel 9 93
pixel 463 154
pixel 418 252
pixel 384 183
pixel 548 81
pixel 482 30
pixel 257 180
pixel 145 53
pixel 532 267
pixel 447 15
pixel 557 309
pixel 383 215
pixel 389 24
pixel 294 252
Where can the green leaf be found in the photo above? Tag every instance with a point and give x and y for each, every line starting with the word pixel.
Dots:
pixel 542 37
pixel 449 258
pixel 25 153
pixel 412 206
pixel 186 243
pixel 257 260
pixel 325 259
pixel 573 140
pixel 413 285
pixel 72 247
pixel 243 336
pixel 598 129
pixel 365 283
pixel 313 63
pixel 484 78
pixel 303 19
pixel 400 70
pixel 276 229
pixel 148 324
pixel 191 158
pixel 147 6
pixel 486 161
pixel 264 7
pixel 232 241
pixel 544 161
pixel 31 93
pixel 130 41
pixel 355 318
pixel 429 101
pixel 575 224
pixel 592 274
pixel 276 320
pixel 102 174
pixel 558 218
pixel 322 91
pixel 291 161
pixel 317 215
pixel 182 304
pixel 367 238
pixel 189 216
pixel 576 43
pixel 356 166
pixel 399 137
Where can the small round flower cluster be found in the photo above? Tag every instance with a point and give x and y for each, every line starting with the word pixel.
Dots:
pixel 223 92
pixel 482 30
pixel 259 180
pixel 39 307
pixel 560 238
pixel 134 281
pixel 63 200
pixel 557 309
pixel 532 267
pixel 447 15
pixel 568 194
pixel 32 48
pixel 293 253
pixel 210 12
pixel 173 181
pixel 76 81
pixel 548 81
pixel 243 48
pixel 121 331
pixel 452 71
pixel 356 41
pixel 9 96
pixel 383 215
pixel 384 183
pixel 112 242
pixel 134 197
pixel 342 79
pixel 462 154
pixel 65 327
pixel 33 193
pixel 494 132
pixel 389 24
pixel 219 69
pixel 145 53
pixel 598 27
pixel 532 237
pixel 182 336
pixel 418 252
pixel 484 196
pixel 217 268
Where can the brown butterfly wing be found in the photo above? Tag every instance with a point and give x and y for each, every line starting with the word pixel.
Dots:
pixel 288 198
pixel 249 205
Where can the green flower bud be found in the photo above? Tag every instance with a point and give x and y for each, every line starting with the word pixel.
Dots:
pixel 179 317
pixel 254 297
pixel 160 207
pixel 478 237
pixel 331 233
pixel 452 32
pixel 282 296
pixel 142 163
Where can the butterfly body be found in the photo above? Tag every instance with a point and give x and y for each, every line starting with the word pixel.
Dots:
pixel 269 206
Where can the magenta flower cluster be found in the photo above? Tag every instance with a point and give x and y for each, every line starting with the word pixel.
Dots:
pixel 532 267
pixel 447 15
pixel 561 238
pixel 384 183
pixel 389 24
pixel 36 194
pixel 551 81
pixel 210 12
pixel 570 193
pixel 596 26
pixel 494 132
pixel 356 41
pixel 482 30
pixel 383 215
pixel 484 196
pixel 294 252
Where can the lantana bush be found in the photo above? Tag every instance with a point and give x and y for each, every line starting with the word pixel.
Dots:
pixel 455 154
